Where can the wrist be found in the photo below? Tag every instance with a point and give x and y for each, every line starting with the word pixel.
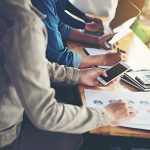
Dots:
pixel 86 27
pixel 98 40
pixel 80 76
pixel 99 60
pixel 87 19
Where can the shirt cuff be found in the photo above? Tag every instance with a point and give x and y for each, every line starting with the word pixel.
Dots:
pixel 77 61
pixel 67 32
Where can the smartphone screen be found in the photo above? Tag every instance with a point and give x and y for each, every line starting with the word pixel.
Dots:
pixel 114 72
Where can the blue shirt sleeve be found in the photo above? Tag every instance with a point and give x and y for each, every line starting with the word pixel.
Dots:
pixel 56 52
pixel 64 30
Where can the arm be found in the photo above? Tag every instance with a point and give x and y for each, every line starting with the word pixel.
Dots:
pixel 29 75
pixel 92 24
pixel 56 52
pixel 76 35
pixel 74 10
pixel 106 59
pixel 63 75
pixel 66 18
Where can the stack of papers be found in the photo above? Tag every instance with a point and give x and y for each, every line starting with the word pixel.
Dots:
pixel 130 78
pixel 139 100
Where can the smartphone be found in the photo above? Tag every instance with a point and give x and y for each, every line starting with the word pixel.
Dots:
pixel 143 79
pixel 107 45
pixel 113 73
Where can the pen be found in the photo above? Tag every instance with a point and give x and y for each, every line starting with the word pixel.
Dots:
pixel 120 50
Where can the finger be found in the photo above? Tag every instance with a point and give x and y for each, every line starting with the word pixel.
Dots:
pixel 96 83
pixel 123 57
pixel 115 46
pixel 132 114
pixel 101 72
pixel 131 109
pixel 96 72
pixel 111 83
pixel 97 20
pixel 109 36
pixel 104 47
pixel 122 101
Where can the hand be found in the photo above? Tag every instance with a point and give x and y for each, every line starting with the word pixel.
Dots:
pixel 106 38
pixel 119 111
pixel 113 58
pixel 89 76
pixel 90 19
pixel 93 27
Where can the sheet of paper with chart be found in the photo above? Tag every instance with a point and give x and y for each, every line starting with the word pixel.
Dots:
pixel 139 100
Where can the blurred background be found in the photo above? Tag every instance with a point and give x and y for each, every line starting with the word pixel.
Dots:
pixel 108 9
pixel 142 25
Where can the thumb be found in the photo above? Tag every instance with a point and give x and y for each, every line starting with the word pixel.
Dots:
pixel 110 36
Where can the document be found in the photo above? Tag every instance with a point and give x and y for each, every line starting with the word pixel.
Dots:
pixel 140 101
pixel 95 51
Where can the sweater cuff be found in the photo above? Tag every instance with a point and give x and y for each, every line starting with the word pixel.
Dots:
pixel 103 117
pixel 72 76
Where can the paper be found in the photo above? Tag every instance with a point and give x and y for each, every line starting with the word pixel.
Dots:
pixel 96 51
pixel 130 77
pixel 119 35
pixel 140 101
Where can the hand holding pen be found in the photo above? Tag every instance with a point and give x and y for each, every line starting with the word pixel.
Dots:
pixel 123 54
pixel 121 51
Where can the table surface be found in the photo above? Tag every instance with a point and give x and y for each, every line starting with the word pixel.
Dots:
pixel 138 57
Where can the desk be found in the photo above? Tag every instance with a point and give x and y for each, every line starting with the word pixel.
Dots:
pixel 138 57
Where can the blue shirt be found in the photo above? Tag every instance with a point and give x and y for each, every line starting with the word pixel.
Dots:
pixel 56 51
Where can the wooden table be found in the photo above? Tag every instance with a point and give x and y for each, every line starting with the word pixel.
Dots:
pixel 138 57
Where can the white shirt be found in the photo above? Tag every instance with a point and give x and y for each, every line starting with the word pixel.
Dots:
pixel 98 7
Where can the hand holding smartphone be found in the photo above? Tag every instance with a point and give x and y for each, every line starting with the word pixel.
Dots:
pixel 113 73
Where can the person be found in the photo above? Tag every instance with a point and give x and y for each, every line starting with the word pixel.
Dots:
pixel 96 7
pixel 26 76
pixel 90 24
pixel 57 52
